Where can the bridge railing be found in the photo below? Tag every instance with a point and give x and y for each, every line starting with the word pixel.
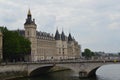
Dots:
pixel 62 61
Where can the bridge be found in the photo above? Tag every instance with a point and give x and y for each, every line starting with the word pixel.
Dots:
pixel 82 68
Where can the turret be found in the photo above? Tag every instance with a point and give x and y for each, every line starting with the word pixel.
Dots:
pixel 29 19
pixel 63 36
pixel 30 33
pixel 30 26
pixel 70 38
pixel 57 35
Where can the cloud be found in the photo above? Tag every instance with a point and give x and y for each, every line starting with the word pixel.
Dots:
pixel 94 23
pixel 114 26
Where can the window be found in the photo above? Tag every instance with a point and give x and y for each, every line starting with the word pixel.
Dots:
pixel 59 50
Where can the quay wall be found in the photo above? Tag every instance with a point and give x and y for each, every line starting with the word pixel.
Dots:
pixel 12 71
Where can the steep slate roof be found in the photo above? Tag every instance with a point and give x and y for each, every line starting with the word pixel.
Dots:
pixel 21 32
pixel 57 35
pixel 63 36
pixel 44 34
pixel 70 37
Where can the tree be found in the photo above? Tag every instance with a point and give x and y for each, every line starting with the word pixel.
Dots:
pixel 15 46
pixel 87 53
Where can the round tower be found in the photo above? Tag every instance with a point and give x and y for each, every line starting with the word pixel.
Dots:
pixel 30 26
pixel 30 33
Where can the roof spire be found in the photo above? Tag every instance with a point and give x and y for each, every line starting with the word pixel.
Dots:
pixel 70 37
pixel 29 12
pixel 29 18
pixel 57 35
pixel 63 36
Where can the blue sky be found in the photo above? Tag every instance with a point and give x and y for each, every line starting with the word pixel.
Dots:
pixel 95 24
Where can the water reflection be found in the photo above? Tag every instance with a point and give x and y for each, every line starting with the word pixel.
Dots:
pixel 54 78
pixel 63 75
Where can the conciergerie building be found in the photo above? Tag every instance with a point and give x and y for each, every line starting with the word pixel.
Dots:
pixel 45 46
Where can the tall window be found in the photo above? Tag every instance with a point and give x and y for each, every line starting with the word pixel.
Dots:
pixel 63 50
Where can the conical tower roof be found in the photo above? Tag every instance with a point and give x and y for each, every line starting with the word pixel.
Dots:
pixel 29 12
pixel 57 35
pixel 63 36
pixel 70 37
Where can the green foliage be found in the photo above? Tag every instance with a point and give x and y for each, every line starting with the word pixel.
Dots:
pixel 88 53
pixel 15 46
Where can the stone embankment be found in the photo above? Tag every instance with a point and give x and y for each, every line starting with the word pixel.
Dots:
pixel 11 71
pixel 10 75
pixel 8 72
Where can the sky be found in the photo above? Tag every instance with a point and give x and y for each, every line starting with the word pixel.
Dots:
pixel 95 24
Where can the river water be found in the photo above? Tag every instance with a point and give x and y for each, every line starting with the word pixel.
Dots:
pixel 107 72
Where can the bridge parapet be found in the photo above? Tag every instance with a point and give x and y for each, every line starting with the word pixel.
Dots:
pixel 79 67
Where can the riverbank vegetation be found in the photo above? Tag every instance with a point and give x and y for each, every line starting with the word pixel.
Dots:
pixel 15 46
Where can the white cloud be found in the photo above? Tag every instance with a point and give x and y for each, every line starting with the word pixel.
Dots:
pixel 114 26
pixel 92 22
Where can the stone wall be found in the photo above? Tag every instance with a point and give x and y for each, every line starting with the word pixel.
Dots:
pixel 12 71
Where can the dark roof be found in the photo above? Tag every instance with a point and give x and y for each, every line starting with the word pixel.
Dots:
pixel 57 35
pixel 70 37
pixel 63 36
pixel 29 19
pixel 21 32
pixel 44 34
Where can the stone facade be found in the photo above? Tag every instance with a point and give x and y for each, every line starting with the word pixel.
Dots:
pixel 45 46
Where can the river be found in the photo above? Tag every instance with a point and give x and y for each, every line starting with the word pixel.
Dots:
pixel 107 72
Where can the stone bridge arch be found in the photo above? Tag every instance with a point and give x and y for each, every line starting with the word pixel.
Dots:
pixel 82 69
pixel 88 68
pixel 85 69
pixel 34 69
pixel 40 71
